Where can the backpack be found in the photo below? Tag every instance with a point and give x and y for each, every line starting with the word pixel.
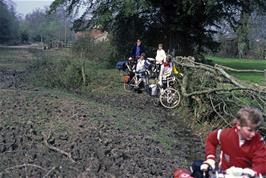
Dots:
pixel 175 71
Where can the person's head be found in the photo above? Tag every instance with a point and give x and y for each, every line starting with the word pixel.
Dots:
pixel 160 46
pixel 142 56
pixel 138 42
pixel 248 120
pixel 168 59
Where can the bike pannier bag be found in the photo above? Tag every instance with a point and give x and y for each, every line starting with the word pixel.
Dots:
pixel 126 78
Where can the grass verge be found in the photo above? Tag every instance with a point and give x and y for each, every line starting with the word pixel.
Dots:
pixel 243 64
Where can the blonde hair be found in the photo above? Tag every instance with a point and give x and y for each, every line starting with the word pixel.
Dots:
pixel 249 115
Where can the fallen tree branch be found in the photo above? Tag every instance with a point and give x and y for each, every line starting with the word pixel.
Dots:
pixel 25 165
pixel 46 138
pixel 226 75
pixel 219 93
pixel 238 70
pixel 49 172
pixel 218 114
pixel 209 68
pixel 193 65
pixel 209 91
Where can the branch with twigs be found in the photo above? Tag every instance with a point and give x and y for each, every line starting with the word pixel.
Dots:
pixel 46 138
pixel 238 70
pixel 213 94
pixel 31 165
pixel 25 165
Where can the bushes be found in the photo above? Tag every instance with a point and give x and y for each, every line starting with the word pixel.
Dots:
pixel 67 74
pixel 87 49
pixel 75 72
pixel 57 74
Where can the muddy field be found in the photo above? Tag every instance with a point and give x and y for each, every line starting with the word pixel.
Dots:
pixel 50 133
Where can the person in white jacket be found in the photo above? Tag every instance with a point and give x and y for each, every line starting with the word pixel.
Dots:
pixel 140 64
pixel 160 54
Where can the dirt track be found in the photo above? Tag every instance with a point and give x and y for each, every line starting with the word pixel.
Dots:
pixel 105 135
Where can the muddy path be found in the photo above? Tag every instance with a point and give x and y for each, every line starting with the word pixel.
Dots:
pixel 49 133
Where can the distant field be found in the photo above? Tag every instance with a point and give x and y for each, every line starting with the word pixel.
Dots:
pixel 243 64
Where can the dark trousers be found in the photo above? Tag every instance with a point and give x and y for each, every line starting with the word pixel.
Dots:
pixel 195 168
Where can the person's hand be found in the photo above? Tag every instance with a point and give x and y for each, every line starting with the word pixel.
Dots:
pixel 209 163
pixel 160 83
pixel 249 172
pixel 234 171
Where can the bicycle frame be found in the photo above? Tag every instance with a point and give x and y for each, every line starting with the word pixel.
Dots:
pixel 136 80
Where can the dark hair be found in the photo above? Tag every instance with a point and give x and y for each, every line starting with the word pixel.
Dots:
pixel 143 54
pixel 249 115
pixel 169 58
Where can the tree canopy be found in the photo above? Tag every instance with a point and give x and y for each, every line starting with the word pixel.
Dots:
pixel 43 27
pixel 185 26
pixel 8 23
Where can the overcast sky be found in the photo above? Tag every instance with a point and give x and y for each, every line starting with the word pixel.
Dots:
pixel 24 7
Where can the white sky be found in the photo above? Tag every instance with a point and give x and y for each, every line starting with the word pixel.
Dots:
pixel 24 7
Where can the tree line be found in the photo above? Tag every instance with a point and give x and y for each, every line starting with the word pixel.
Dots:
pixel 37 26
pixel 186 27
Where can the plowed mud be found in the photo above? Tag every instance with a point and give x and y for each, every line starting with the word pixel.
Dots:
pixel 47 133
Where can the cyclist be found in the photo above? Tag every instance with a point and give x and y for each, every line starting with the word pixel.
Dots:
pixel 166 70
pixel 243 150
pixel 140 63
pixel 140 68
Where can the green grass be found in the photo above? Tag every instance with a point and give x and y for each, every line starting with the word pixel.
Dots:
pixel 243 64
pixel 15 59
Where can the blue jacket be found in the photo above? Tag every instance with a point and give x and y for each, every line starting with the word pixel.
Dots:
pixel 134 51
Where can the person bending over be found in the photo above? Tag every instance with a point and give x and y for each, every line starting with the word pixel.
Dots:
pixel 242 149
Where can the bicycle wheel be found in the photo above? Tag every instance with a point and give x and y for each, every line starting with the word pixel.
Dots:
pixel 170 98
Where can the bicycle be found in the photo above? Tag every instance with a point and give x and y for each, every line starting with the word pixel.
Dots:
pixel 152 68
pixel 137 82
pixel 169 97
pixel 185 173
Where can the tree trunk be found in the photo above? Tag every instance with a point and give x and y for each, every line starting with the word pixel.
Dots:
pixel 242 34
pixel 65 28
pixel 83 69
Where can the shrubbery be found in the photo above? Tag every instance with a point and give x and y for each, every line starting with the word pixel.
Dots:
pixel 76 72
pixel 57 74
pixel 88 49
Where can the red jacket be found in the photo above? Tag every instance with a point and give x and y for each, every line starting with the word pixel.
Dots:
pixel 252 154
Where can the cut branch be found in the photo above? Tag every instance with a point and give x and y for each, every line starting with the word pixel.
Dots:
pixel 238 70
pixel 217 93
pixel 25 165
pixel 46 138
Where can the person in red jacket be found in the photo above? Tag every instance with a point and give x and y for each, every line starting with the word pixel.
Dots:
pixel 242 149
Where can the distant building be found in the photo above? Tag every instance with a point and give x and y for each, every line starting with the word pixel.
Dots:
pixel 96 33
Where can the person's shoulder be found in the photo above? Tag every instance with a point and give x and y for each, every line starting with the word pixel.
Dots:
pixel 228 131
pixel 258 138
